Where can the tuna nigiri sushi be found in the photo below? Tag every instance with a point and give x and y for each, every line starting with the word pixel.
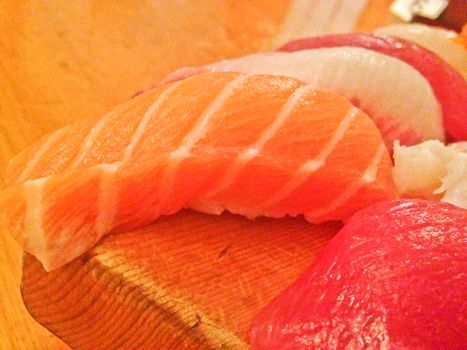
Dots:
pixel 395 277
pixel 446 43
pixel 253 145
pixel 398 97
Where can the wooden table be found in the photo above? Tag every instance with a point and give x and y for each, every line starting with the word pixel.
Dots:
pixel 61 61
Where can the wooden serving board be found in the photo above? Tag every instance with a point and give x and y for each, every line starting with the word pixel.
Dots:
pixel 188 281
pixel 66 60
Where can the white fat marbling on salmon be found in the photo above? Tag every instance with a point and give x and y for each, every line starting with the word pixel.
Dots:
pixel 33 226
pixel 200 128
pixel 108 196
pixel 316 17
pixel 195 135
pixel 368 177
pixel 142 126
pixel 314 164
pixel 255 148
pixel 45 147
pixel 107 200
pixel 89 140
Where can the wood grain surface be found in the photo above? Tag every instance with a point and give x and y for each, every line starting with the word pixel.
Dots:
pixel 188 281
pixel 66 60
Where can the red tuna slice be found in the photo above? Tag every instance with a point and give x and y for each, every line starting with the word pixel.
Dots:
pixel 447 44
pixel 395 277
pixel 396 96
pixel 448 85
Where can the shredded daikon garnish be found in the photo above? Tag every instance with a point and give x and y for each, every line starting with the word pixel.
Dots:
pixel 432 170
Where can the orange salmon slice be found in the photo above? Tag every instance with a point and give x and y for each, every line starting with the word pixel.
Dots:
pixel 254 145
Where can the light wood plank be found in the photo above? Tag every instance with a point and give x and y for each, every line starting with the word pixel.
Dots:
pixel 188 281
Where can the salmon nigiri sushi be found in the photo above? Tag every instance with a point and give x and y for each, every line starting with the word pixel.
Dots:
pixel 250 144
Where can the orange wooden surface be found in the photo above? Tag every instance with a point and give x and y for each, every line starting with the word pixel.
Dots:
pixel 65 60
pixel 188 281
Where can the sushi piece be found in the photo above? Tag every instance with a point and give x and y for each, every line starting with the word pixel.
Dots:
pixel 398 98
pixel 252 145
pixel 395 277
pixel 449 87
pixel 446 43
pixel 432 170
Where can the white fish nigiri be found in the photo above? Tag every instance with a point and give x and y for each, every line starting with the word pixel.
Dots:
pixel 398 98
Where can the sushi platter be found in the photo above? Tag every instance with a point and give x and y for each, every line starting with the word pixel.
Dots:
pixel 301 186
